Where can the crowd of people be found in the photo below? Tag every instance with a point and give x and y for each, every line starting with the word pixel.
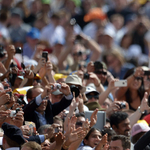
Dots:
pixel 63 59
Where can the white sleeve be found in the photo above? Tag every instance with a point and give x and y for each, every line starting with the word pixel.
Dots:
pixel 86 148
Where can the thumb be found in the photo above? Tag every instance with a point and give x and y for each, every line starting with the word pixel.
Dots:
pixel 145 95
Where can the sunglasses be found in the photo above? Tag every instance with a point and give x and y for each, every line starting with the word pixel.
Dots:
pixel 101 72
pixel 78 54
pixel 92 96
pixel 138 78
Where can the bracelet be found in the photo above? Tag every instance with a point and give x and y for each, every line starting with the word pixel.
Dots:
pixel 65 146
pixel 139 109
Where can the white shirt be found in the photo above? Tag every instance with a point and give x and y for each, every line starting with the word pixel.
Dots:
pixel 52 34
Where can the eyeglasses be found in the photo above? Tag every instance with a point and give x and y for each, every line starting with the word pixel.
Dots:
pixel 101 72
pixel 92 96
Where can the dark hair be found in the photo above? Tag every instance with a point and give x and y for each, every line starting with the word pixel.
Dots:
pixel 90 132
pixel 29 92
pixel 136 137
pixel 10 142
pixel 109 131
pixel 80 115
pixel 125 141
pixel 117 118
pixel 140 91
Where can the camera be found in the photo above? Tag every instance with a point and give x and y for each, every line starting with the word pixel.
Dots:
pixel 10 93
pixel 2 51
pixel 86 76
pixel 56 86
pixel 75 89
pixel 122 105
pixel 14 112
pixel 45 55
pixel 19 50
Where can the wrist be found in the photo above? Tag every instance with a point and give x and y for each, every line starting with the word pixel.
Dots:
pixel 140 110
pixel 66 145
pixel 98 85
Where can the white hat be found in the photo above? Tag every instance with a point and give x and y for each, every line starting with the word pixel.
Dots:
pixel 75 80
pixel 91 88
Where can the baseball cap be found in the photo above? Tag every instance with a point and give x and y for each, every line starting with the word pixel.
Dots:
pixel 95 13
pixel 18 12
pixel 139 127
pixel 34 33
pixel 91 88
pixel 75 80
pixel 13 132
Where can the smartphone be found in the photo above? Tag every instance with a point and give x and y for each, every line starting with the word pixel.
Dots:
pixel 45 55
pixel 121 83
pixel 147 73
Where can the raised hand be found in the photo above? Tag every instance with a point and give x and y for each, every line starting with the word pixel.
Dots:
pixel 93 118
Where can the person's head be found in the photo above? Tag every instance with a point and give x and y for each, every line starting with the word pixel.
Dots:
pixel 117 20
pixel 59 122
pixel 120 123
pixel 43 129
pixel 138 130
pixel 126 40
pixel 78 52
pixel 113 59
pixel 100 69
pixel 16 17
pixel 75 83
pixel 12 137
pixel 18 81
pixel 92 138
pixel 34 92
pixel 136 85
pixel 110 132
pixel 80 119
pixel 33 36
pixel 31 146
pixel 91 93
pixel 107 103
pixel 120 142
